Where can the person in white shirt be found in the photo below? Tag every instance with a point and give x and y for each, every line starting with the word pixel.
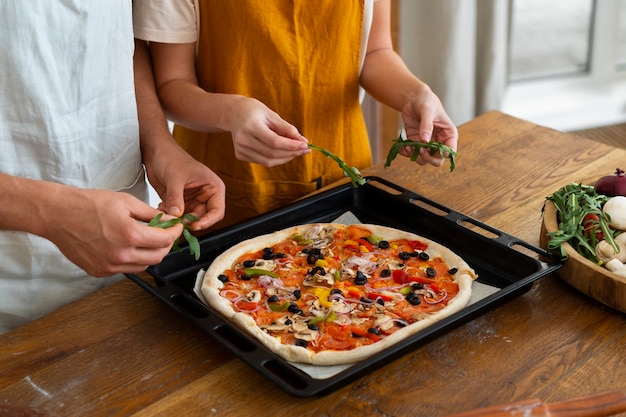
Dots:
pixel 79 121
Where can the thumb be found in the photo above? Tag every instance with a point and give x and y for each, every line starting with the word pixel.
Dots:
pixel 426 130
pixel 174 202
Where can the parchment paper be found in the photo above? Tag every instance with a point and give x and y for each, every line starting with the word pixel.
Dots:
pixel 479 291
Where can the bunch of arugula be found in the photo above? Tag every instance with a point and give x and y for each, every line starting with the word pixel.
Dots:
pixel 573 203
pixel 433 146
pixel 185 220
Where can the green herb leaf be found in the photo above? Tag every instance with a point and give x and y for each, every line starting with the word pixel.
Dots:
pixel 155 220
pixel 433 146
pixel 351 172
pixel 194 245
pixel 185 219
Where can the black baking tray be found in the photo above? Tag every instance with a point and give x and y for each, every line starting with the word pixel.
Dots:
pixel 501 261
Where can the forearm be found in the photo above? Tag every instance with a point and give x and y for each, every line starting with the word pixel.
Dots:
pixel 185 102
pixel 28 205
pixel 386 77
pixel 189 105
pixel 153 128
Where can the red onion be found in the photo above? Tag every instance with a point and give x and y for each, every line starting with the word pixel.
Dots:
pixel 612 185
pixel 436 300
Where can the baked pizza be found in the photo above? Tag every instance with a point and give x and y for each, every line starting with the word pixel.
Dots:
pixel 331 294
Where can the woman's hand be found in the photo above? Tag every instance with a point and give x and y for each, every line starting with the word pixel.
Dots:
pixel 186 185
pixel 425 120
pixel 261 136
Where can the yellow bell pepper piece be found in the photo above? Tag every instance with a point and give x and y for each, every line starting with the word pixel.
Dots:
pixel 321 263
pixel 322 295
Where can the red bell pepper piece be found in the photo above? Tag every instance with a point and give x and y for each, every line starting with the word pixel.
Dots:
pixel 366 243
pixel 357 331
pixel 376 296
pixel 417 245
pixel 399 276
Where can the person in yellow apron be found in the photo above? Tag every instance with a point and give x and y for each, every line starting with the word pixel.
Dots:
pixel 248 82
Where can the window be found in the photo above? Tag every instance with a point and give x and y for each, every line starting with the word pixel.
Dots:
pixel 621 34
pixel 550 38
pixel 567 63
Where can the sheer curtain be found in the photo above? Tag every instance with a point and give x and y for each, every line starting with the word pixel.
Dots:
pixel 459 48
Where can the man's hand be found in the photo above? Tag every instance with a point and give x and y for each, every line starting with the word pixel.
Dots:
pixel 106 232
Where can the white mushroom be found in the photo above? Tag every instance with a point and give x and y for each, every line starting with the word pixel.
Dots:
pixel 606 253
pixel 620 271
pixel 615 208
pixel 613 265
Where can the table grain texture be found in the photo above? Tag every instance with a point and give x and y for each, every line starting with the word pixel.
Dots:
pixel 121 352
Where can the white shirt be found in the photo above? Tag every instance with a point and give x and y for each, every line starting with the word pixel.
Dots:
pixel 67 114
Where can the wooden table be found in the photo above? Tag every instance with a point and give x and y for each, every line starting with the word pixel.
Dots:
pixel 121 352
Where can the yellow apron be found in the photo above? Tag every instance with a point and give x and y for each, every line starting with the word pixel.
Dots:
pixel 301 59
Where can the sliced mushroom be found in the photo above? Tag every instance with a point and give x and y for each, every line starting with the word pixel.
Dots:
pixel 307 335
pixel 319 279
pixel 266 264
pixel 254 296
pixel 341 307
pixel 279 325
pixel 383 322
pixel 299 327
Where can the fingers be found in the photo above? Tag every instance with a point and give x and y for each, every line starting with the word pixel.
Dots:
pixel 133 250
pixel 270 149
pixel 289 131
pixel 425 121
pixel 267 139
pixel 424 157
pixel 214 209
pixel 426 128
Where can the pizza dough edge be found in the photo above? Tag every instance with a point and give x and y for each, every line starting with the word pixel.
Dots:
pixel 326 358
pixel 211 287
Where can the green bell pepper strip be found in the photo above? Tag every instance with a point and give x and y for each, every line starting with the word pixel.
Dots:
pixel 279 307
pixel 257 272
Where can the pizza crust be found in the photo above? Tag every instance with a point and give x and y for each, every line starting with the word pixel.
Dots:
pixel 211 287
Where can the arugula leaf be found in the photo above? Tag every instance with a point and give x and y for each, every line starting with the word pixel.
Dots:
pixel 573 202
pixel 433 146
pixel 185 219
pixel 352 172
